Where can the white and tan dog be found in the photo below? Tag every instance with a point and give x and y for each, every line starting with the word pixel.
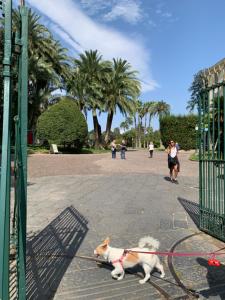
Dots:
pixel 122 259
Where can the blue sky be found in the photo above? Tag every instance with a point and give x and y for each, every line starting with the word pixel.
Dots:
pixel 167 41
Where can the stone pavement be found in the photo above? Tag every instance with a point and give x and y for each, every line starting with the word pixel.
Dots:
pixel 75 201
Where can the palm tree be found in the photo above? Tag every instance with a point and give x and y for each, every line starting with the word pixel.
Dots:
pixel 91 69
pixel 151 111
pixel 48 65
pixel 124 125
pixel 76 87
pixel 139 110
pixel 121 89
pixel 161 109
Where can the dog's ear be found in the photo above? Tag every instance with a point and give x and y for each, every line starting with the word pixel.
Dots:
pixel 106 242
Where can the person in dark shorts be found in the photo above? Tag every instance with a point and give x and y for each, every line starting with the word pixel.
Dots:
pixel 113 149
pixel 123 149
pixel 151 149
pixel 172 161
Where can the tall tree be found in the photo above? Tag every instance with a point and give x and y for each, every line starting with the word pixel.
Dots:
pixel 121 89
pixel 140 114
pixel 198 83
pixel 151 111
pixel 48 65
pixel 92 71
pixel 124 126
pixel 162 109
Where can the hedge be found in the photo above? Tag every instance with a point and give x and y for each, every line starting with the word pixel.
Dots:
pixel 63 124
pixel 181 129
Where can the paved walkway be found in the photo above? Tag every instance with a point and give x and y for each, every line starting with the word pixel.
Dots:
pixel 75 201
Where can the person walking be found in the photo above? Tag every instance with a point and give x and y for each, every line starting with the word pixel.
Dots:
pixel 113 149
pixel 151 149
pixel 172 161
pixel 123 149
pixel 178 162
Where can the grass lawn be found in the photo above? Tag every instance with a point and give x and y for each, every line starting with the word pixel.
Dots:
pixel 194 157
pixel 37 150
pixel 45 150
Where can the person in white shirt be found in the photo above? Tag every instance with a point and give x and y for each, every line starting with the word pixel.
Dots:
pixel 113 149
pixel 172 161
pixel 151 149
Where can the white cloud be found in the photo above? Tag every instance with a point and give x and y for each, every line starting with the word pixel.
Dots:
pixel 167 15
pixel 94 6
pixel 110 10
pixel 82 33
pixel 127 9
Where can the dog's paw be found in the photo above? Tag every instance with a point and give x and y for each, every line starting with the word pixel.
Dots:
pixel 142 281
pixel 120 278
pixel 162 275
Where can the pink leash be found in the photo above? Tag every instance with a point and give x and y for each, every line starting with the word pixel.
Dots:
pixel 211 262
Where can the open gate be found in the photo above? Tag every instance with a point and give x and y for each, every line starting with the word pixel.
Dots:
pixel 211 131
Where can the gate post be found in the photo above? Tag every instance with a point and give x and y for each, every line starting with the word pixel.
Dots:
pixel 22 155
pixel 19 219
pixel 6 157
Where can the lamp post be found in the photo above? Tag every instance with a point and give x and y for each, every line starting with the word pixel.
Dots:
pixel 196 146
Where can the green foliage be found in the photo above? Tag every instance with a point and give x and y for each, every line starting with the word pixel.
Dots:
pixel 181 129
pixel 154 137
pixel 37 149
pixel 116 132
pixel 63 124
pixel 194 157
pixel 195 89
pixel 129 137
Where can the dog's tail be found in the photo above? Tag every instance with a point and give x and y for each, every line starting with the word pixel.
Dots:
pixel 149 241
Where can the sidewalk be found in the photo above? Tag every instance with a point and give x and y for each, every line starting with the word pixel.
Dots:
pixel 70 215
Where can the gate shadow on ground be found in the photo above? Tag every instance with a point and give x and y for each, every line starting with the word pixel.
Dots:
pixel 192 209
pixel 215 277
pixel 51 251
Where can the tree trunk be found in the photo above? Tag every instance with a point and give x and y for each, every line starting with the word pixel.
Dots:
pixel 139 131
pixel 145 129
pixel 97 130
pixel 150 119
pixel 135 126
pixel 108 126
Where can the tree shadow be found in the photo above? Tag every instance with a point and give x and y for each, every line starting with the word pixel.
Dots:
pixel 51 251
pixel 216 278
pixel 192 209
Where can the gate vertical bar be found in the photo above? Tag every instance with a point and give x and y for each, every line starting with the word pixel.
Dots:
pixel 223 208
pixel 6 158
pixel 23 111
pixel 200 152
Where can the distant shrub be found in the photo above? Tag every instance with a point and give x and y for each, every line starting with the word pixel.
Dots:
pixel 181 129
pixel 63 124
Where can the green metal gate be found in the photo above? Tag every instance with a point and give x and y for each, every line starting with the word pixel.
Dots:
pixel 13 205
pixel 212 157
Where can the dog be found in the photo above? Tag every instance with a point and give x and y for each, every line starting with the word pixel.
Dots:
pixel 122 259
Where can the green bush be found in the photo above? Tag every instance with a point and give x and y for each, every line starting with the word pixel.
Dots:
pixel 63 124
pixel 181 129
